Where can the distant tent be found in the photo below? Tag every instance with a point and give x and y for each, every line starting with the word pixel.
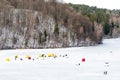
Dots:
pixel 7 59
pixel 28 57
pixel 16 56
pixel 83 59
pixel 52 55
pixel 42 55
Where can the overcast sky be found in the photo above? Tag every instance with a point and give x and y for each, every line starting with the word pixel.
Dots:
pixel 109 4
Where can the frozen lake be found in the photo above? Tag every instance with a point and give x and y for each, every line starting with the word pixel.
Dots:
pixel 102 62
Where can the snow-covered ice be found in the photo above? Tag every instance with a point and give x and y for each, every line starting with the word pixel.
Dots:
pixel 102 63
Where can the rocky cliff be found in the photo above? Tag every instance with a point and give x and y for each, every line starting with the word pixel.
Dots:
pixel 30 29
pixel 40 24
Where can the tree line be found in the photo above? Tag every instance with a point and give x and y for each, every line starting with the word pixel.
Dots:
pixel 109 19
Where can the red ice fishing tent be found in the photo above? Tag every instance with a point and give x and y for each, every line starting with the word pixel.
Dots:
pixel 83 59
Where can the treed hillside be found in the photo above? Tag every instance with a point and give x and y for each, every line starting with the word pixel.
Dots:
pixel 48 24
pixel 109 19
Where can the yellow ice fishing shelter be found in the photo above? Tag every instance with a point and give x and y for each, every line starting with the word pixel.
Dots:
pixel 52 55
pixel 7 59
pixel 16 56
pixel 42 55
